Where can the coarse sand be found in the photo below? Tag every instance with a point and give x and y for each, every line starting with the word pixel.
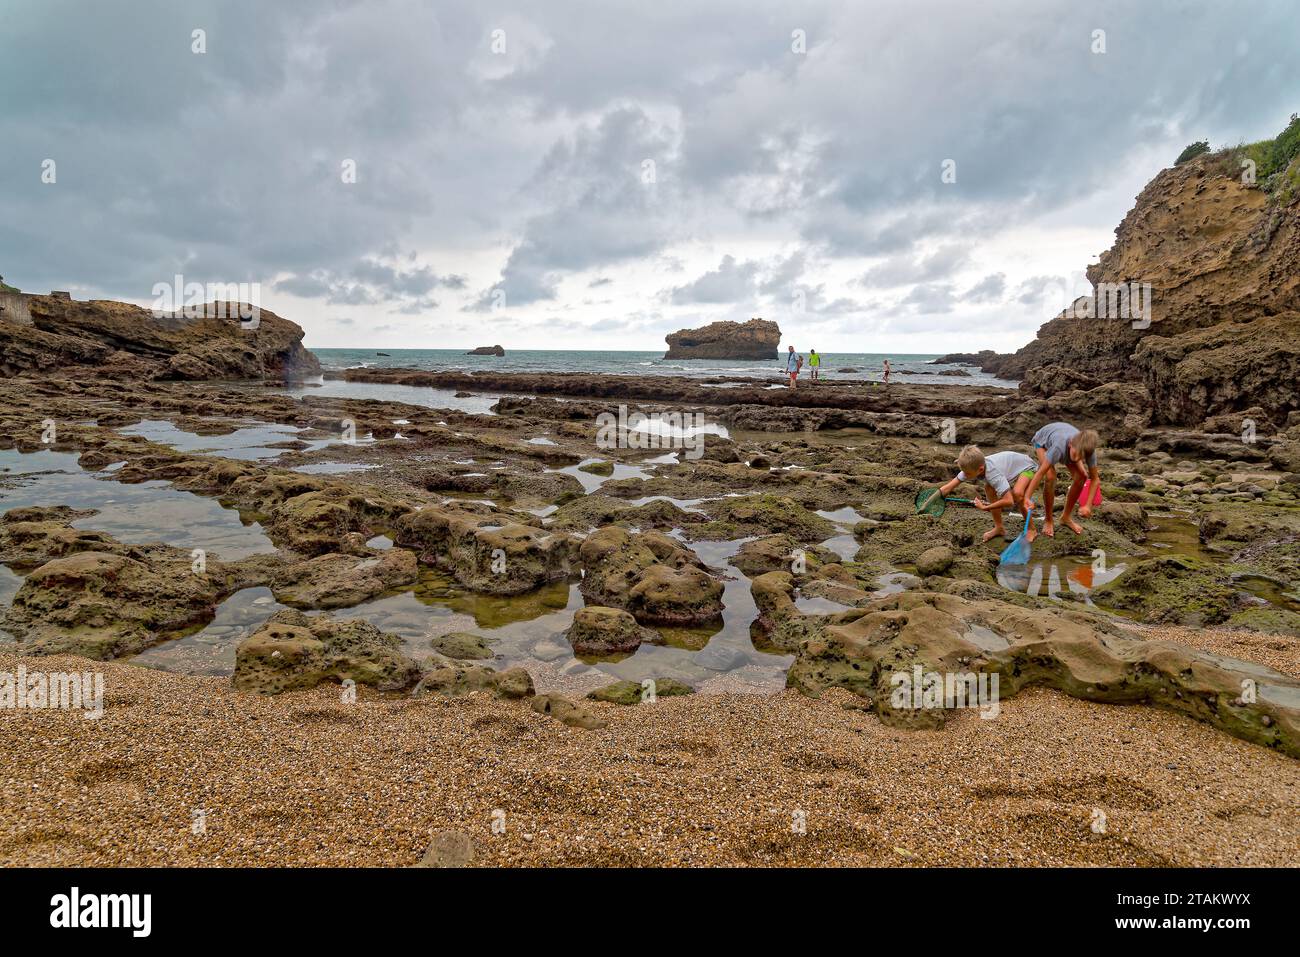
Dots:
pixel 733 779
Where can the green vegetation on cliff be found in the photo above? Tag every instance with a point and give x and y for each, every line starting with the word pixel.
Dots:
pixel 1276 169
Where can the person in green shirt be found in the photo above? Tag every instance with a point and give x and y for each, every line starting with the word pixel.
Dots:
pixel 815 361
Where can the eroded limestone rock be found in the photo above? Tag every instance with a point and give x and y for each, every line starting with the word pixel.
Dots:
pixel 294 650
pixel 864 649
pixel 649 575
pixel 340 581
pixel 597 631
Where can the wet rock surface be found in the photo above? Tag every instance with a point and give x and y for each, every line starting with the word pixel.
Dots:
pixel 737 557
pixel 598 631
pixel 649 575
pixel 294 650
pixel 88 594
pixel 917 633
pixel 340 581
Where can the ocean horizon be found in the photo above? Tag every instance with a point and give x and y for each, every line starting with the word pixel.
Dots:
pixel 844 366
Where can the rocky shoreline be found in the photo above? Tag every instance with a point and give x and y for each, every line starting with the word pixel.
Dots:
pixel 456 488
pixel 467 569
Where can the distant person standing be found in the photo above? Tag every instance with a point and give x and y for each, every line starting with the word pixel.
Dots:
pixel 886 372
pixel 814 363
pixel 793 363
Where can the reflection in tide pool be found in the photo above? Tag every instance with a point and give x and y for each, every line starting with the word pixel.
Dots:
pixel 136 514
pixel 9 585
pixel 591 483
pixel 333 468
pixel 211 650
pixel 249 444
pixel 521 630
pixel 425 396
pixel 1051 579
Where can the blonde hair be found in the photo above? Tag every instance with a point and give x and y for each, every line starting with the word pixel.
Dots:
pixel 1086 442
pixel 970 461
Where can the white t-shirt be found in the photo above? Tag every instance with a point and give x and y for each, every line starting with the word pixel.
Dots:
pixel 1001 468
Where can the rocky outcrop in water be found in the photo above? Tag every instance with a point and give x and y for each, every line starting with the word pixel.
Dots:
pixel 650 575
pixel 755 339
pixel 487 351
pixel 598 631
pixel 125 341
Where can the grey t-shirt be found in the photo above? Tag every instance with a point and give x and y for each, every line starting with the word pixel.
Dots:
pixel 1054 438
pixel 1001 469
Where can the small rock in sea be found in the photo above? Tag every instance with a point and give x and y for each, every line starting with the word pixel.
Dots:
pixel 462 645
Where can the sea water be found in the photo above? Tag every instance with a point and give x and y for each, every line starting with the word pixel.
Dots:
pixel 867 365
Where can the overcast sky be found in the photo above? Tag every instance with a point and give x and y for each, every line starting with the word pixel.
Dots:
pixel 590 175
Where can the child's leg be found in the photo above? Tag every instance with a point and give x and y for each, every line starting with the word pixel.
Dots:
pixel 1049 501
pixel 1018 490
pixel 1077 479
pixel 997 531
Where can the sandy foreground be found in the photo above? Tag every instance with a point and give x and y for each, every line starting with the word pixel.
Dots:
pixel 307 779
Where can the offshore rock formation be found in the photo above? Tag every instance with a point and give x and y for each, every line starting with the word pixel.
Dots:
pixel 756 339
pixel 487 351
pixel 125 341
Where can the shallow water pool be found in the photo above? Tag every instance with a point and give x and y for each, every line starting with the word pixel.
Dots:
pixel 133 513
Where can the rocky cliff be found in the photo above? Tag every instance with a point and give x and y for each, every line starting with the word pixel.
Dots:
pixel 756 339
pixel 127 341
pixel 1222 258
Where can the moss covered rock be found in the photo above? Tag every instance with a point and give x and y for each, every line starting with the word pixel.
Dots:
pixel 633 692
pixel 293 650
pixel 1172 589
pixel 598 631
pixel 649 575
pixel 462 645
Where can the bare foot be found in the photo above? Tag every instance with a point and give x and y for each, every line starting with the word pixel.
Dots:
pixel 1031 534
pixel 1049 529
pixel 993 533
pixel 1074 526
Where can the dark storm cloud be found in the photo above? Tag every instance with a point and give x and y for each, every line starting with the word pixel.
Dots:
pixel 989 289
pixel 904 269
pixel 610 189
pixel 229 165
